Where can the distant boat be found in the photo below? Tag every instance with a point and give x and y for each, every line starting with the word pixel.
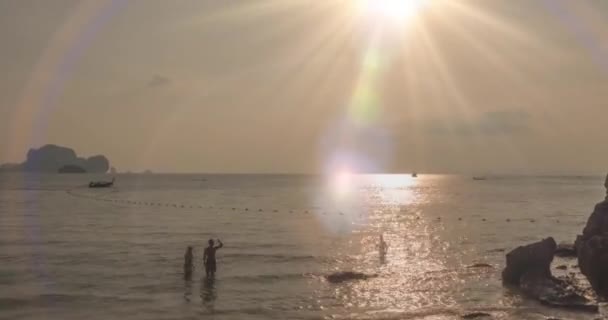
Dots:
pixel 479 178
pixel 101 184
pixel 414 175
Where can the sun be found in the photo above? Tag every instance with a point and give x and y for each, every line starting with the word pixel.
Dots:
pixel 392 10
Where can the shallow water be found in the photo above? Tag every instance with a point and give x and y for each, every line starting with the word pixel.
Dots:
pixel 69 252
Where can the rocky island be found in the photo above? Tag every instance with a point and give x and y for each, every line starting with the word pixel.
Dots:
pixel 70 168
pixel 52 159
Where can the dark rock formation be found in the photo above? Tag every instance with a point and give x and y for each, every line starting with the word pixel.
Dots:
pixel 534 258
pixel 476 315
pixel 480 265
pixel 70 168
pixel 555 292
pixel 50 158
pixel 592 248
pixel 11 167
pixel 593 262
pixel 529 268
pixel 565 250
pixel 343 276
pixel 96 164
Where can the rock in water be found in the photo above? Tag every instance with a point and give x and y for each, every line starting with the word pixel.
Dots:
pixel 529 268
pixel 592 248
pixel 70 168
pixel 534 258
pixel 480 265
pixel 97 164
pixel 342 276
pixel 555 292
pixel 50 158
pixel 565 250
pixel 593 262
pixel 476 315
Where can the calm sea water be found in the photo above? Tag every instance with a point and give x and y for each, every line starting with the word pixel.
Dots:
pixel 69 252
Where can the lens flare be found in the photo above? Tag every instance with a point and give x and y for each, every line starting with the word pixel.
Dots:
pixel 342 182
pixel 393 10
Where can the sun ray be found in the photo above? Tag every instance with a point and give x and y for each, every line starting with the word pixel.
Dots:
pixel 393 11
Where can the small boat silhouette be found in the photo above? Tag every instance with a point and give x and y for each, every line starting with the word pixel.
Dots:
pixel 479 178
pixel 101 184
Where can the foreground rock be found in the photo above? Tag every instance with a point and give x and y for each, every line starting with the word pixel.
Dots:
pixel 555 292
pixel 480 265
pixel 592 248
pixel 565 250
pixel 534 259
pixel 476 315
pixel 529 268
pixel 343 276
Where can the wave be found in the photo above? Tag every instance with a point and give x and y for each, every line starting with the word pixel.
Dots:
pixel 271 277
pixel 57 298
pixel 273 257
pixel 451 312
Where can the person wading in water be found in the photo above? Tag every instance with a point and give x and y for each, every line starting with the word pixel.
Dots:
pixel 209 258
pixel 188 266
pixel 382 249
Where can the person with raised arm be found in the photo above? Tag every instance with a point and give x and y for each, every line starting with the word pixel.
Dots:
pixel 209 257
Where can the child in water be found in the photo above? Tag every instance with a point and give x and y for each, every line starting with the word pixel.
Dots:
pixel 188 265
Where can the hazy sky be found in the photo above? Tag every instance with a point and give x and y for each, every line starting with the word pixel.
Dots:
pixel 308 85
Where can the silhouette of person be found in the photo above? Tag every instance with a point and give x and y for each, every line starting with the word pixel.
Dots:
pixel 382 248
pixel 188 265
pixel 209 258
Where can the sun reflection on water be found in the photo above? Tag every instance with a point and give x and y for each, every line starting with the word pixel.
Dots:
pixel 417 270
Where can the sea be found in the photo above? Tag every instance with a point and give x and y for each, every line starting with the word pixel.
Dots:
pixel 71 252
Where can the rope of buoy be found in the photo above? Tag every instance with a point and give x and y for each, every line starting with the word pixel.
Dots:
pixel 103 197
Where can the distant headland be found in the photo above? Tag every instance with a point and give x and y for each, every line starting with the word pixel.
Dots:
pixel 52 158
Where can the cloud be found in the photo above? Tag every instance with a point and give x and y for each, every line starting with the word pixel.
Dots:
pixel 158 81
pixel 503 122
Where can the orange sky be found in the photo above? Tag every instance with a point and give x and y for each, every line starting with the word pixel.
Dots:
pixel 304 85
